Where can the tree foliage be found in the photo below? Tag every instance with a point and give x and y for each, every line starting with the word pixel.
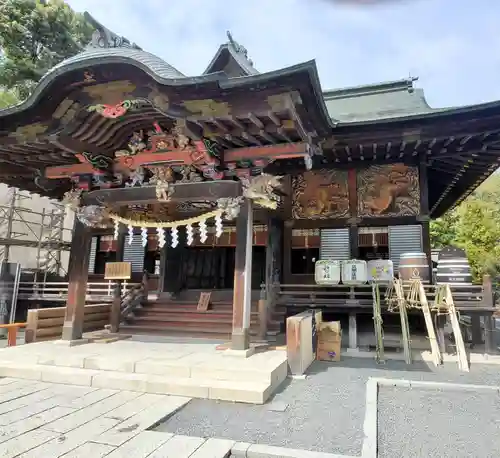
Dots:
pixel 475 227
pixel 7 98
pixel 35 35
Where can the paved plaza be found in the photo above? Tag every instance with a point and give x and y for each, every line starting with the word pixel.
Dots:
pixel 354 408
pixel 196 370
pixel 53 420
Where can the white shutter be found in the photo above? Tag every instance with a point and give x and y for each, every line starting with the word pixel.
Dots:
pixel 92 255
pixel 335 244
pixel 134 253
pixel 404 239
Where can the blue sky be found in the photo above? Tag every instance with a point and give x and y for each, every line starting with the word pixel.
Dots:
pixel 453 46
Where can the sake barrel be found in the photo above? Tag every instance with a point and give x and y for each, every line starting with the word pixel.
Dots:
pixel 327 272
pixel 453 267
pixel 380 270
pixel 354 272
pixel 414 266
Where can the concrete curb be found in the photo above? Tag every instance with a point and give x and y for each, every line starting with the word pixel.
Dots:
pixel 369 448
pixel 370 443
pixel 423 385
pixel 245 450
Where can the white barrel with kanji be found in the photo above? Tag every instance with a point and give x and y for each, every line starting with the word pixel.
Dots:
pixel 354 272
pixel 380 270
pixel 327 272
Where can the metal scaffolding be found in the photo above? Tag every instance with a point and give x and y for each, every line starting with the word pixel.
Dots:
pixel 43 231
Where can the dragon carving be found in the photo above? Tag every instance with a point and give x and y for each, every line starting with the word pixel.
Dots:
pixel 262 190
pixel 72 199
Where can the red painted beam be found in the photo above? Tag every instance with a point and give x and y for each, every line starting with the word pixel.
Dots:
pixel 197 155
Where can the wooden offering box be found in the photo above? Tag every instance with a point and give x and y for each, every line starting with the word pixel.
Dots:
pixel 329 341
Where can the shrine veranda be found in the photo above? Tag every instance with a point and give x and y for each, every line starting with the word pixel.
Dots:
pixel 236 181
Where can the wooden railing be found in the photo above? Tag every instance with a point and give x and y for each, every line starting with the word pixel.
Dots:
pixel 58 291
pixel 360 296
pixel 12 329
pixel 132 300
pixel 47 324
pixel 124 303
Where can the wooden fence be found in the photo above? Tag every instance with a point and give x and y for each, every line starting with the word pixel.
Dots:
pixel 47 323
pixel 58 291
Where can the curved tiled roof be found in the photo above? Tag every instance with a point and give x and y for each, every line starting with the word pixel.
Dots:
pixel 152 62
pixel 153 65
pixel 387 100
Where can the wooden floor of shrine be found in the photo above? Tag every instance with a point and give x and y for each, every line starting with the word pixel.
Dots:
pixel 179 317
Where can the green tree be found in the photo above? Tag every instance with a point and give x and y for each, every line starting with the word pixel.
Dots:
pixel 478 232
pixel 475 227
pixel 35 35
pixel 443 230
pixel 7 98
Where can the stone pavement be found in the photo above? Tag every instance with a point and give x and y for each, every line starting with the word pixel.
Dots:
pixel 53 420
pixel 39 419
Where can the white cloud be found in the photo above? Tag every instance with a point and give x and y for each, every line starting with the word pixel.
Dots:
pixel 452 45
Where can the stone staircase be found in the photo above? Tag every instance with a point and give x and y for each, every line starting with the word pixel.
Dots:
pixel 180 317
pixel 196 370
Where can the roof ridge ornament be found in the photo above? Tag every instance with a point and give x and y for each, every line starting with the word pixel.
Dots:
pixel 237 47
pixel 105 38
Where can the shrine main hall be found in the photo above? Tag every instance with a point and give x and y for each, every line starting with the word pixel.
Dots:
pixel 234 182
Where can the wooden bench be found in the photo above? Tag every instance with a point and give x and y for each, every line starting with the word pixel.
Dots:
pixel 47 323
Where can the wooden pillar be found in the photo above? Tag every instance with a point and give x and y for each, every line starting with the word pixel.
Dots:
pixel 440 323
pixel 353 331
pixel 173 257
pixel 242 296
pixel 115 317
pixel 476 331
pixel 424 209
pixel 426 246
pixel 274 250
pixel 287 229
pixel 78 277
pixel 163 264
pixel 287 252
pixel 490 347
pixel 352 186
pixel 353 241
pixel 489 319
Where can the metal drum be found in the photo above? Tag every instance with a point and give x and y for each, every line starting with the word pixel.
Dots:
pixel 354 272
pixel 453 267
pixel 327 272
pixel 413 266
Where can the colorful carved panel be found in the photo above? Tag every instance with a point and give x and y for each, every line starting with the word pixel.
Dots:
pixel 388 190
pixel 320 194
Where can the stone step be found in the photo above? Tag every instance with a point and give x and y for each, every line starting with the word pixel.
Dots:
pixel 256 392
